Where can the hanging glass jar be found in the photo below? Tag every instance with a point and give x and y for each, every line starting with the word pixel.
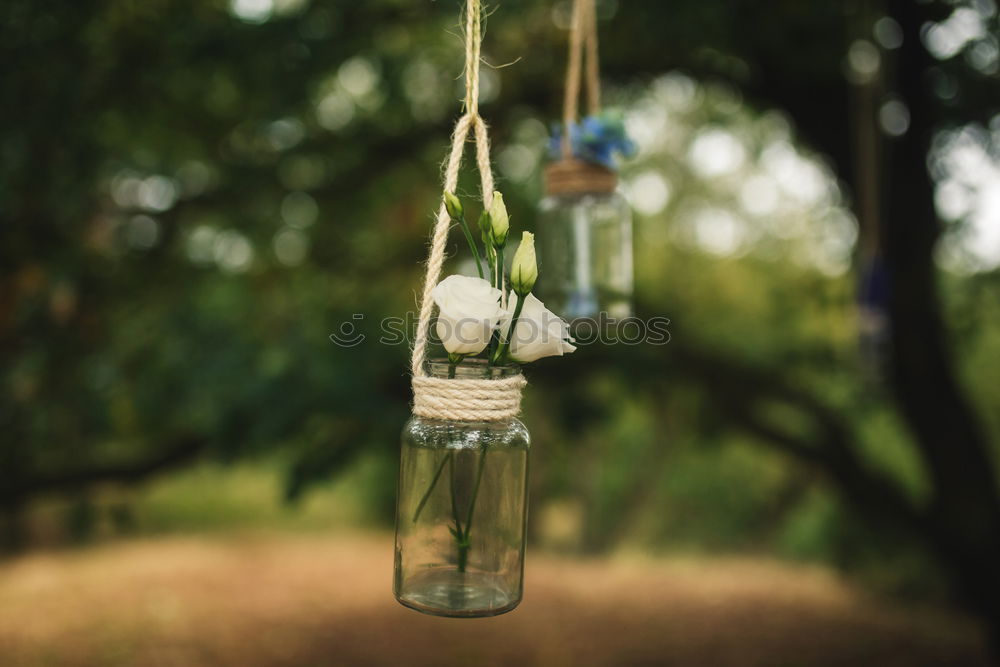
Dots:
pixel 584 235
pixel 462 509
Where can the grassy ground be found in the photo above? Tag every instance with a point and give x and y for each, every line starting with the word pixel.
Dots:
pixel 306 599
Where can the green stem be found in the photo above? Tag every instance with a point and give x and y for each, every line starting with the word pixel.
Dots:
pixel 501 353
pixel 499 276
pixel 472 245
pixel 484 229
pixel 475 491
pixel 491 259
pixel 453 361
pixel 463 556
pixel 430 488
pixel 454 501
pixel 496 275
pixel 461 539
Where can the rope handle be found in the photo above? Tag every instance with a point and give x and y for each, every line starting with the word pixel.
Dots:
pixel 582 37
pixel 470 120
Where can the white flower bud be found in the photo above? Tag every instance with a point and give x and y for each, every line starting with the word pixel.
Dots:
pixel 453 204
pixel 499 220
pixel 524 269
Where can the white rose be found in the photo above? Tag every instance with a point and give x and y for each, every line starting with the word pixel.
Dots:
pixel 539 332
pixel 468 312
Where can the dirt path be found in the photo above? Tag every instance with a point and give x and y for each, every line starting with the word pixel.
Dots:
pixel 298 600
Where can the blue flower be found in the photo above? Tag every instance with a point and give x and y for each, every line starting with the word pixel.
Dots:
pixel 595 139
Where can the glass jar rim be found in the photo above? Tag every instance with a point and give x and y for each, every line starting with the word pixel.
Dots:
pixel 472 369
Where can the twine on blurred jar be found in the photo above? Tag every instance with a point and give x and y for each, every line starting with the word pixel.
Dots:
pixel 448 398
pixel 570 175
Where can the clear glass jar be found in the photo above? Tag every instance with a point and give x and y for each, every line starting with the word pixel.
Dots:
pixel 585 254
pixel 461 511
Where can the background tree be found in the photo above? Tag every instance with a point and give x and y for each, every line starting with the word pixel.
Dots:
pixel 195 195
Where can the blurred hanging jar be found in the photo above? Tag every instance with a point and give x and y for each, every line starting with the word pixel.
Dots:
pixel 585 241
pixel 585 225
pixel 462 509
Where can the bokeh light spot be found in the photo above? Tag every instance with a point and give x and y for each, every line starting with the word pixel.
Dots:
pixel 299 210
pixel 649 192
pixel 358 76
pixel 888 33
pixel 715 152
pixel 863 61
pixel 335 111
pixel 517 162
pixel 252 11
pixel 290 246
pixel 157 193
pixel 232 251
pixel 894 118
pixel 142 232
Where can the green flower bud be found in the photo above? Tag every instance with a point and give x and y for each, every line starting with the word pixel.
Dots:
pixel 453 204
pixel 484 228
pixel 524 270
pixel 499 221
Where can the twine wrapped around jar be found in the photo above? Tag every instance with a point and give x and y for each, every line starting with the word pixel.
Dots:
pixel 461 399
pixel 576 177
pixel 467 400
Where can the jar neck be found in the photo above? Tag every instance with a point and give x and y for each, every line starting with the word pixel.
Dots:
pixel 471 369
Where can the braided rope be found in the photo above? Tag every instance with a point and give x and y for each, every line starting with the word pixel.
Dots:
pixel 460 399
pixel 582 35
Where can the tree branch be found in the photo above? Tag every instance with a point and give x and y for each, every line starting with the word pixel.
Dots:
pixel 180 451
pixel 742 390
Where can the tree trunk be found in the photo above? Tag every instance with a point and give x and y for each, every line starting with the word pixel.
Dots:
pixel 964 514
